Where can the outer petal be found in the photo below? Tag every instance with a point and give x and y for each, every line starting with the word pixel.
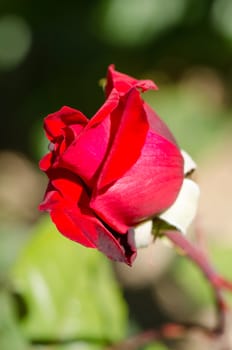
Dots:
pixel 67 202
pixel 149 187
pixel 123 82
pixel 157 125
pixel 183 211
pixel 128 139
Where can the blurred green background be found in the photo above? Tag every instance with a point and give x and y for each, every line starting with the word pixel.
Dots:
pixel 55 53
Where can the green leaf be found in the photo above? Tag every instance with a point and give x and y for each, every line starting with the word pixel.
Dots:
pixel 69 290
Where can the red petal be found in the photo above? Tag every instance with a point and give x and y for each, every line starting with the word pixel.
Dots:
pixel 55 122
pixel 89 231
pixel 110 104
pixel 157 125
pixel 67 202
pixel 123 82
pixel 150 186
pixel 85 155
pixel 45 162
pixel 62 216
pixel 128 139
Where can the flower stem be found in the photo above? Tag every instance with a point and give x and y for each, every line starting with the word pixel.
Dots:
pixel 179 329
pixel 217 282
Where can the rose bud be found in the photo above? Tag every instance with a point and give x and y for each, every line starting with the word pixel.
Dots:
pixel 109 174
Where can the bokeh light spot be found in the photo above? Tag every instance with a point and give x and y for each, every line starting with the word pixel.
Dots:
pixel 221 17
pixel 136 22
pixel 15 41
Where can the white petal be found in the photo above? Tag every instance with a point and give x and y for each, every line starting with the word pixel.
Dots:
pixel 189 164
pixel 143 234
pixel 183 211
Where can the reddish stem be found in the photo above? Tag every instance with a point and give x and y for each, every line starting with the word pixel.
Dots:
pixel 178 330
pixel 199 258
pixel 215 280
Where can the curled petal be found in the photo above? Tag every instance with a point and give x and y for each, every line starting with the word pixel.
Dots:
pixel 123 82
pixel 183 211
pixel 55 122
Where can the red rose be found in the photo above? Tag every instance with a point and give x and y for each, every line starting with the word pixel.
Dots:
pixel 109 173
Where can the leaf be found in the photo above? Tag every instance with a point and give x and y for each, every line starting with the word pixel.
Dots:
pixel 69 291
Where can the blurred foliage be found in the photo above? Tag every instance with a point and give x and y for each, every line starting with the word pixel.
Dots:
pixel 53 54
pixel 13 29
pixel 136 23
pixel 191 285
pixel 194 119
pixel 156 346
pixel 66 291
pixel 195 286
pixel 10 334
pixel 12 240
